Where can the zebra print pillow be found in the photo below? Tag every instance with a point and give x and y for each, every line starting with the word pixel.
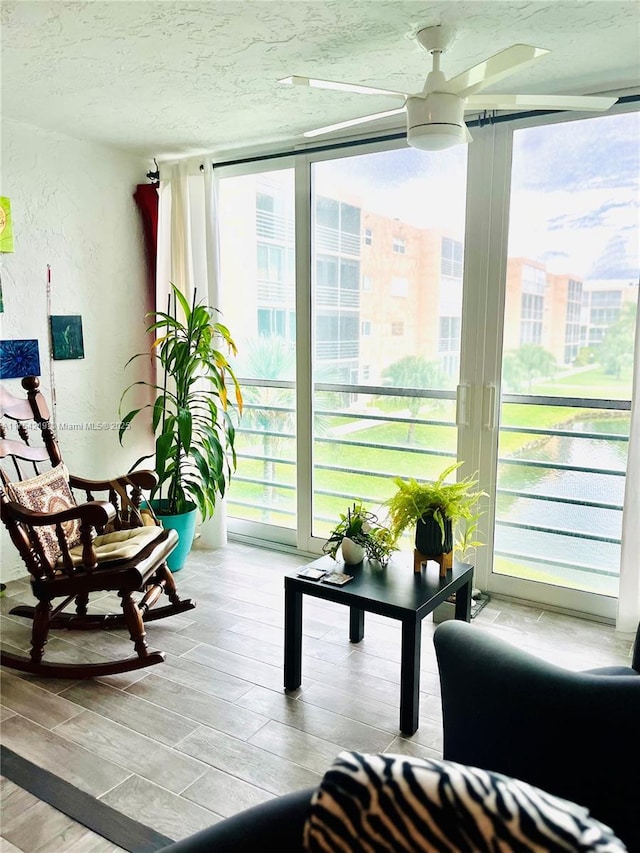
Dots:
pixel 396 804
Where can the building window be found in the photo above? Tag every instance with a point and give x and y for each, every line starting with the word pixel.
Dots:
pixel 397 329
pixel 337 336
pixel 367 283
pixel 328 213
pixel 273 220
pixel 349 219
pixel 399 246
pixel 451 259
pixel 368 237
pixel 449 345
pixel 399 286
pixel 449 340
pixel 270 262
pixel 574 291
pixel 337 281
pixel 265 216
pixel 572 333
pixel 450 364
pixel 604 316
pixel 366 372
pixel 532 304
pixel 337 226
pixel 365 328
pixel 605 307
pixel 533 279
pixel 276 322
pixel 349 274
pixel 327 272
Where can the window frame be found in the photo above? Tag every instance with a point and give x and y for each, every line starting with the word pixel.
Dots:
pixel 487 226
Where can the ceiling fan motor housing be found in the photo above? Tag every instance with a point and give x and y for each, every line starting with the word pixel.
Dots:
pixel 435 122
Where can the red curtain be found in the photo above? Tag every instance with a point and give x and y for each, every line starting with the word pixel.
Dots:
pixel 146 197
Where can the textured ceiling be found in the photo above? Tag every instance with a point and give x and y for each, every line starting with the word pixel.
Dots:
pixel 161 78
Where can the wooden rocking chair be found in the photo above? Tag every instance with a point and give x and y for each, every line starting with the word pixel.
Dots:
pixel 74 549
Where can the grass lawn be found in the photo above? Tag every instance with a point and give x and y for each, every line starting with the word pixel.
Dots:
pixel 588 383
pixel 419 453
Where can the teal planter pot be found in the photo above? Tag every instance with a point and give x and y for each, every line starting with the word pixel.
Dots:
pixel 185 526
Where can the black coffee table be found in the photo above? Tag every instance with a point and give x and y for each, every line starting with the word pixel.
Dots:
pixel 396 591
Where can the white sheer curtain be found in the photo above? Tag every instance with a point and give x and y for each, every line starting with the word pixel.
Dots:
pixel 188 258
pixel 629 595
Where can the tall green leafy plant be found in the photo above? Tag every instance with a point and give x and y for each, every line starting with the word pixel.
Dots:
pixel 192 414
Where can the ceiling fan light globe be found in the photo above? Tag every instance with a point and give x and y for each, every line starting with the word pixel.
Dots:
pixel 435 138
pixel 435 122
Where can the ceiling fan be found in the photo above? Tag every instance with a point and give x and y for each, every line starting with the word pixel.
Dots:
pixel 435 116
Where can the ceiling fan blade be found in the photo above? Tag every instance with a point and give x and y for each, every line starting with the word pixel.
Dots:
pixel 340 87
pixel 495 68
pixel 352 122
pixel 540 102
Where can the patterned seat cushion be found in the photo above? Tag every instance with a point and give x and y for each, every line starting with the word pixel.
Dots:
pixel 48 492
pixel 397 804
pixel 119 545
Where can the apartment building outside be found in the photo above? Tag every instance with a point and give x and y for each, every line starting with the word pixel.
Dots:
pixel 384 289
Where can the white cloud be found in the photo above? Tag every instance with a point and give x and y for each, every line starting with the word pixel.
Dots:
pixel 534 231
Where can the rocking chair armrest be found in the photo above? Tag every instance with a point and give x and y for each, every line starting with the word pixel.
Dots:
pixel 143 479
pixel 94 513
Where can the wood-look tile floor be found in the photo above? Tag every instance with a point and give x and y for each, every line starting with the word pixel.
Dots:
pixel 210 732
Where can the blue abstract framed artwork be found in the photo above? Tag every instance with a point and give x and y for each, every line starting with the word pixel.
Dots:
pixel 19 358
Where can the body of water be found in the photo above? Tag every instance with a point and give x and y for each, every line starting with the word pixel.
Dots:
pixel 575 522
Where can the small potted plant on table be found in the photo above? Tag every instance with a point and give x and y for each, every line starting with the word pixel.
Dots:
pixel 433 508
pixel 358 534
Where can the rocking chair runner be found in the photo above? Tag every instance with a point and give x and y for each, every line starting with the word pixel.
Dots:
pixel 72 550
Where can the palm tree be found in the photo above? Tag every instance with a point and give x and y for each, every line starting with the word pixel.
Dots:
pixel 525 364
pixel 413 371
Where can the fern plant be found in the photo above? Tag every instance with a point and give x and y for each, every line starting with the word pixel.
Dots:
pixel 436 498
pixel 191 415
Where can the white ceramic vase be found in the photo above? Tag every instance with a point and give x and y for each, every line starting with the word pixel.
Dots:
pixel 352 553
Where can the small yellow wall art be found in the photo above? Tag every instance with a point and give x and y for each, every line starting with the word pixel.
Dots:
pixel 6 225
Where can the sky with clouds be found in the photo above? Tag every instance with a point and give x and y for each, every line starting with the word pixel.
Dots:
pixel 575 201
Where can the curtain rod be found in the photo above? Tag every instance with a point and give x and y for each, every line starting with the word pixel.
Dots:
pixel 390 137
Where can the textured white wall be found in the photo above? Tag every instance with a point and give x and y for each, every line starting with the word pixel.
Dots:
pixel 72 207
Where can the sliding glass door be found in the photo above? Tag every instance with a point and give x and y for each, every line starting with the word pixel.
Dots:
pixel 386 295
pixel 569 322
pixel 257 264
pixel 399 310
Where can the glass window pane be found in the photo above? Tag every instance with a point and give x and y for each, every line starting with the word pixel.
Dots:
pixel 404 204
pixel 350 219
pixel 257 261
pixel 349 274
pixel 570 313
pixel 328 213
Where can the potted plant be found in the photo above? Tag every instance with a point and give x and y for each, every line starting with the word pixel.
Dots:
pixel 191 415
pixel 433 508
pixel 358 534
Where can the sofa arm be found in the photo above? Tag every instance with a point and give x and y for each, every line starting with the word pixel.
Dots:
pixel 574 734
pixel 275 825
